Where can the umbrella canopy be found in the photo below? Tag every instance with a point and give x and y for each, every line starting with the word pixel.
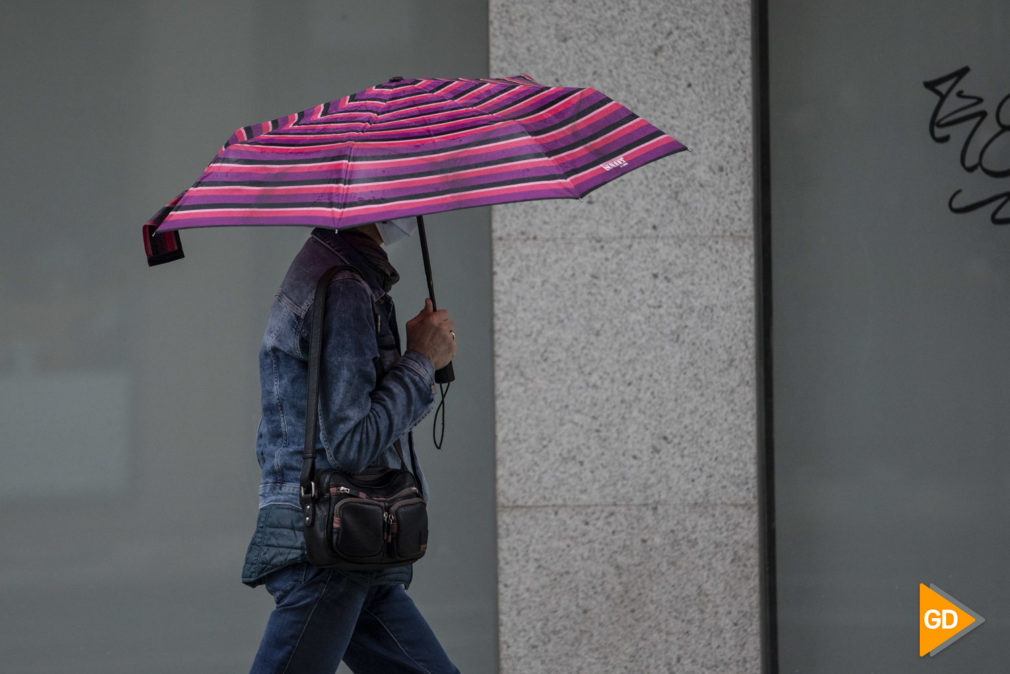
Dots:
pixel 409 147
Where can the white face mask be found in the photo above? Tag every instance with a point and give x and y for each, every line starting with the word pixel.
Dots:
pixel 392 231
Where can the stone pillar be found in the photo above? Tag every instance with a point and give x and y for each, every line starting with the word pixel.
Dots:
pixel 624 358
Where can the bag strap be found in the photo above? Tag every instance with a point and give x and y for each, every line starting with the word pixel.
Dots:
pixel 307 485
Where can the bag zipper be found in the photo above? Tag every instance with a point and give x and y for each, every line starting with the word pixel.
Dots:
pixel 394 497
pixel 393 523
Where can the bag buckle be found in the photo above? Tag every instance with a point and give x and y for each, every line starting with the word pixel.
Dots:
pixel 307 500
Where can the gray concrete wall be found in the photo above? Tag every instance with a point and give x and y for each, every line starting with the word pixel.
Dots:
pixel 624 358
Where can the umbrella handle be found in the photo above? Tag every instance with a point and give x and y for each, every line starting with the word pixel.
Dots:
pixel 444 375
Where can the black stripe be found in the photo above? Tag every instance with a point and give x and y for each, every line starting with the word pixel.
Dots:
pixel 465 91
pixel 465 114
pixel 536 92
pixel 424 153
pixel 599 185
pixel 526 113
pixel 355 117
pixel 513 102
pixel 342 181
pixel 487 163
pixel 585 112
pixel 503 93
pixel 422 113
pixel 358 98
pixel 389 109
pixel 473 128
pixel 369 202
pixel 444 85
pixel 593 161
pixel 390 105
pixel 520 101
pixel 344 155
pixel 396 83
pixel 318 127
pixel 504 104
pixel 417 129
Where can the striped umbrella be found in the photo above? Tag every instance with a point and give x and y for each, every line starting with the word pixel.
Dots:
pixel 409 147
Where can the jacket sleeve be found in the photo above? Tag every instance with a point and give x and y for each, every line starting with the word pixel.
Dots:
pixel 360 417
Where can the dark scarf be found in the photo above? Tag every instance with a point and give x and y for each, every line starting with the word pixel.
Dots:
pixel 363 246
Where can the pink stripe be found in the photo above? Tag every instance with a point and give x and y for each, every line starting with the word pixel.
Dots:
pixel 349 105
pixel 482 107
pixel 583 150
pixel 449 92
pixel 238 190
pixel 404 207
pixel 446 177
pixel 441 100
pixel 394 132
pixel 223 169
pixel 546 93
pixel 436 104
pixel 560 187
pixel 199 190
pixel 628 156
pixel 297 172
pixel 293 213
pixel 488 93
pixel 442 96
pixel 564 105
pixel 410 142
pixel 420 121
pixel 372 131
pixel 337 142
pixel 372 107
pixel 313 113
pixel 482 89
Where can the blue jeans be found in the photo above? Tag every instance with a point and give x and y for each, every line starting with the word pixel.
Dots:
pixel 323 616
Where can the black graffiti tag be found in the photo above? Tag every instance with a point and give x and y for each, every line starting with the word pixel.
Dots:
pixel 956 108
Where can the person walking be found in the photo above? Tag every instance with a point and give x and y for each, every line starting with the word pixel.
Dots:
pixel 371 395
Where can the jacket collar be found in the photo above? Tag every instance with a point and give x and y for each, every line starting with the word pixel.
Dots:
pixel 364 255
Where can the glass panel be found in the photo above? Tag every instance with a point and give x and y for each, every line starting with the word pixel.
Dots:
pixel 890 328
pixel 129 396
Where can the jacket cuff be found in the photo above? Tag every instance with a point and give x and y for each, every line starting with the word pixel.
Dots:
pixel 420 365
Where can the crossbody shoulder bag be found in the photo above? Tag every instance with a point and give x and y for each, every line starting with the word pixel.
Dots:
pixel 371 520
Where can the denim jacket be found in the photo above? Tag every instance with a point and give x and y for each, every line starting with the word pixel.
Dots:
pixel 370 395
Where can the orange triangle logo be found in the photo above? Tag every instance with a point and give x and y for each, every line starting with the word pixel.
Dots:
pixel 942 620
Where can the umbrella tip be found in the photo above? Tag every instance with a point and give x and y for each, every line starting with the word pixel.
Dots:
pixel 397 78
